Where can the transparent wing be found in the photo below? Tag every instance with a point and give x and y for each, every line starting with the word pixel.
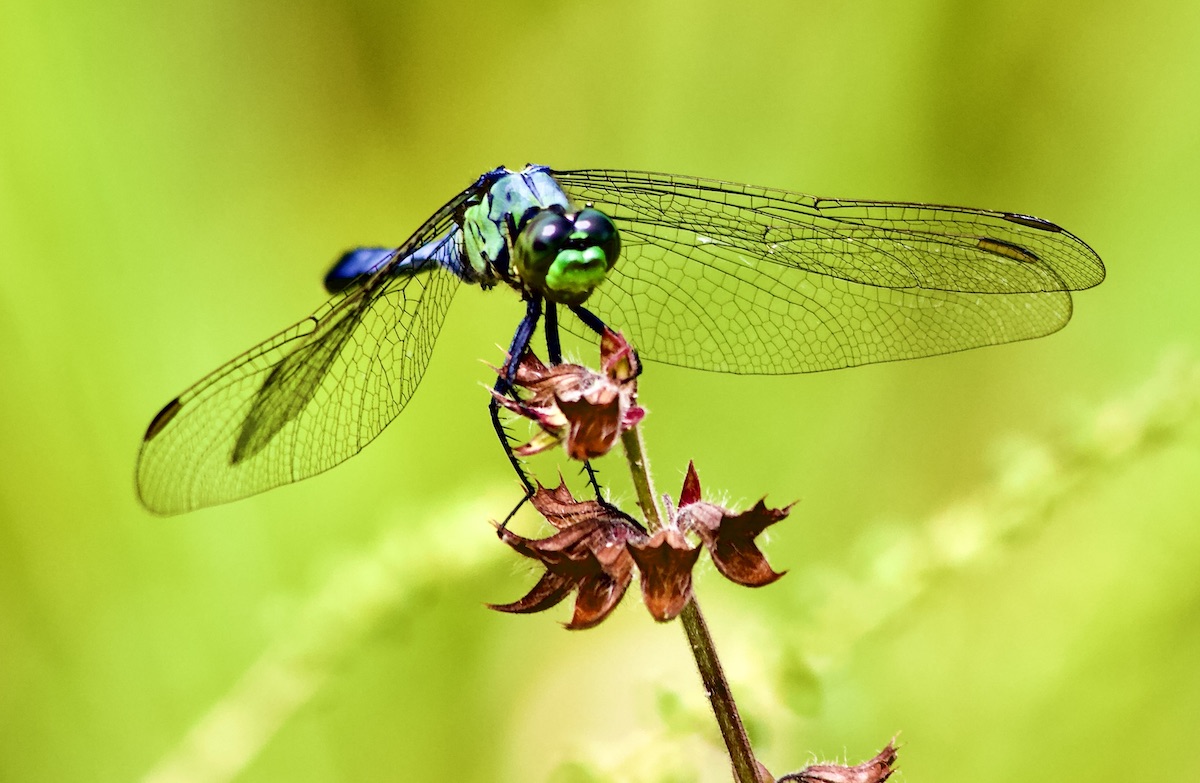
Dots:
pixel 744 279
pixel 309 397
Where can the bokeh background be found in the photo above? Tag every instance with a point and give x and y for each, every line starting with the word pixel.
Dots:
pixel 994 554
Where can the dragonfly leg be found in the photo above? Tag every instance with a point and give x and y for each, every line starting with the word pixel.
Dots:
pixel 553 345
pixel 516 508
pixel 593 322
pixel 590 319
pixel 595 482
pixel 504 385
pixel 554 350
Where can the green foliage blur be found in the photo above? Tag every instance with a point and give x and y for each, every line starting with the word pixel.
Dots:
pixel 995 553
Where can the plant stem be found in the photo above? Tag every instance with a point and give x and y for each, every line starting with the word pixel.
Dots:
pixel 745 767
pixel 639 468
pixel 741 756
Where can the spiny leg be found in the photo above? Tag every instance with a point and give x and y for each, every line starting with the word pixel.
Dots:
pixel 590 319
pixel 593 322
pixel 554 351
pixel 504 385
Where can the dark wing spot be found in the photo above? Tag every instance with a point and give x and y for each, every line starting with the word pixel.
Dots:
pixel 1032 222
pixel 1008 250
pixel 163 418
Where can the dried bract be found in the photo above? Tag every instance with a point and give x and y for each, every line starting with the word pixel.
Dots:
pixel 729 536
pixel 665 562
pixel 877 770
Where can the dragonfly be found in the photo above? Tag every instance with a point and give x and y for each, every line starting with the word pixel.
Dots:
pixel 694 272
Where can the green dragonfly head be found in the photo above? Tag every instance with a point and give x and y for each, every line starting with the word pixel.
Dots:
pixel 564 256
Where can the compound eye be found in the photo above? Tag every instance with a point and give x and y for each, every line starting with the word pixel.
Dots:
pixel 538 243
pixel 593 228
pixel 548 231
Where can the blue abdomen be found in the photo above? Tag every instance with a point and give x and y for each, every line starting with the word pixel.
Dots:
pixel 358 265
pixel 354 266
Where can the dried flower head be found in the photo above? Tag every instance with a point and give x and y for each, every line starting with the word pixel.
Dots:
pixel 585 410
pixel 587 555
pixel 597 545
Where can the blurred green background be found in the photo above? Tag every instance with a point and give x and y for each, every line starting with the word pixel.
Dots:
pixel 994 553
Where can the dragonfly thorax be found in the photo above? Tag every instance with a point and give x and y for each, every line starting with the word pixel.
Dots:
pixel 564 255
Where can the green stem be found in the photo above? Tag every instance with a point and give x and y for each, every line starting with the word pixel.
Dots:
pixel 741 756
pixel 639 468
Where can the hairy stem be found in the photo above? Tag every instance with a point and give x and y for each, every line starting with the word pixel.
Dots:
pixel 639 468
pixel 741 756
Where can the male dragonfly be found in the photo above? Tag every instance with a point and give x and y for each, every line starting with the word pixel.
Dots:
pixel 711 275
